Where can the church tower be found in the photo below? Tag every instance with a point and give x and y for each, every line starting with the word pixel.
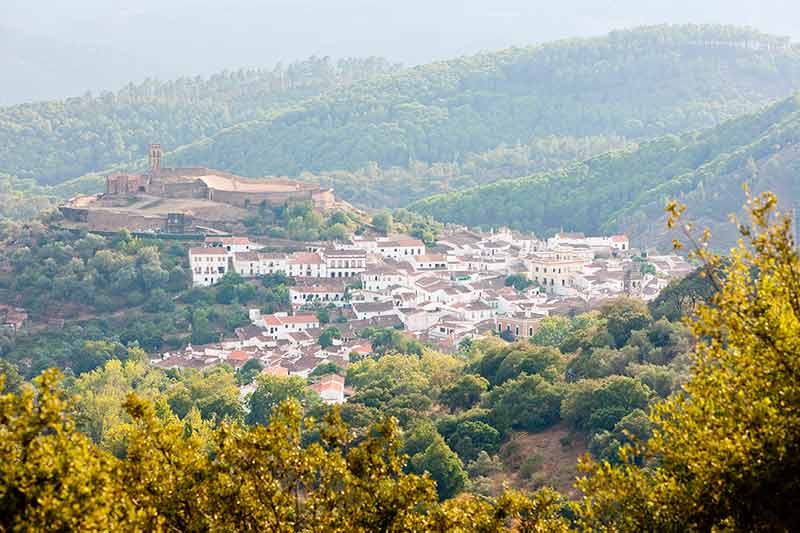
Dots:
pixel 154 158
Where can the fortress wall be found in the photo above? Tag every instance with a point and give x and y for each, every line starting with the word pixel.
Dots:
pixel 251 199
pixel 186 189
pixel 74 214
pixel 111 221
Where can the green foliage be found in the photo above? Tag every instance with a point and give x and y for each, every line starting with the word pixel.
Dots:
pixel 443 466
pixel 59 268
pixel 495 105
pixel 472 437
pixel 485 465
pixel 681 297
pixel 328 367
pixel 601 362
pixel 388 340
pixel 552 331
pixel 248 372
pixel 592 406
pixel 51 477
pixel 272 390
pixel 213 393
pixel 623 316
pixel 328 335
pixel 518 281
pixel 500 362
pixel 22 199
pixel 53 141
pixel 300 221
pixel 624 190
pixel 464 393
pixel 382 222
pixel 176 477
pixel 634 429
pixel 525 359
pixel 528 403
pixel 722 454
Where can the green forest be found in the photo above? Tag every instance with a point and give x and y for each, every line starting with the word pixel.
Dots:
pixel 623 190
pixel 55 141
pixel 321 116
pixel 630 84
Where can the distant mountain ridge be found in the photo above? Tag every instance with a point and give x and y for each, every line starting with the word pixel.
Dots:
pixel 59 140
pixel 627 190
pixel 635 84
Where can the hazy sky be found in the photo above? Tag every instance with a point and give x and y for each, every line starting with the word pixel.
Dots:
pixel 56 48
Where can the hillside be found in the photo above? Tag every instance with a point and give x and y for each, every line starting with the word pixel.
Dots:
pixel 626 190
pixel 632 85
pixel 545 104
pixel 58 140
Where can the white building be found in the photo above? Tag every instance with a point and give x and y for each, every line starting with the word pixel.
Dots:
pixel 208 265
pixel 554 270
pixel 367 310
pixel 344 263
pixel 401 248
pixel 317 294
pixel 614 242
pixel 306 265
pixel 430 262
pixel 281 325
pixel 474 311
pixel 233 244
pixel 273 264
pixel 381 277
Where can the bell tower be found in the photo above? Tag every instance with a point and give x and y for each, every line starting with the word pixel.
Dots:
pixel 154 158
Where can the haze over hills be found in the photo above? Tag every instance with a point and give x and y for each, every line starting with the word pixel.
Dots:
pixel 55 47
pixel 635 84
pixel 627 190
pixel 559 101
pixel 52 141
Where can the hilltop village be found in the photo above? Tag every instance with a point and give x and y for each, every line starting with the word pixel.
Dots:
pixel 468 285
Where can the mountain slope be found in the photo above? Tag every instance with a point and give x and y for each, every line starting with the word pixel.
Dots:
pixel 626 190
pixel 55 141
pixel 634 84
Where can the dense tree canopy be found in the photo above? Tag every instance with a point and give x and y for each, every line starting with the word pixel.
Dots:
pixel 54 141
pixel 624 190
pixel 724 454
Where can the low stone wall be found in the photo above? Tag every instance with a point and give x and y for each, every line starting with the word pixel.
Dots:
pixel 74 214
pixel 111 221
pixel 251 199
pixel 188 189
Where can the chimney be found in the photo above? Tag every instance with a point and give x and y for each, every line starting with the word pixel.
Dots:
pixel 154 158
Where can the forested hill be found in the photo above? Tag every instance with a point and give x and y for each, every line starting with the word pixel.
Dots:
pixel 55 141
pixel 627 190
pixel 634 84
pixel 320 116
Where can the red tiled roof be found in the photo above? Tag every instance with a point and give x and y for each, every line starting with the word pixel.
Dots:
pixel 305 258
pixel 238 355
pixel 207 251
